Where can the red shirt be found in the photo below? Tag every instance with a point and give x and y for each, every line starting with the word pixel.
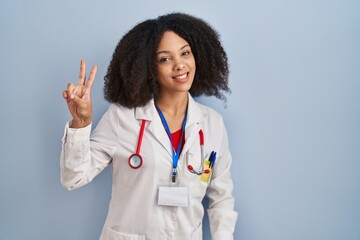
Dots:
pixel 176 138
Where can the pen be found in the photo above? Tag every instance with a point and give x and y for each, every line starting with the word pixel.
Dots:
pixel 212 159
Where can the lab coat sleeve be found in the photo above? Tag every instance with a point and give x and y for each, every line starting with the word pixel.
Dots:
pixel 222 216
pixel 84 154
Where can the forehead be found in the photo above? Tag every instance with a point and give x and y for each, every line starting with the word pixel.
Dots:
pixel 170 41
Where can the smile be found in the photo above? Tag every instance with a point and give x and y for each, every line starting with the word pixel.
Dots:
pixel 181 77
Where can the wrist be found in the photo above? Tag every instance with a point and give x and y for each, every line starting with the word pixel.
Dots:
pixel 79 123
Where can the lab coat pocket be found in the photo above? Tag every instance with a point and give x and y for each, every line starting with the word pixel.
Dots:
pixel 112 234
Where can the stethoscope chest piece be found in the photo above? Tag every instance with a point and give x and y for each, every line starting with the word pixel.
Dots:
pixel 135 161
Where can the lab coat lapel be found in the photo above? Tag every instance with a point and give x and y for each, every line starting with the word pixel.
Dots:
pixel 149 113
pixel 193 125
pixel 194 118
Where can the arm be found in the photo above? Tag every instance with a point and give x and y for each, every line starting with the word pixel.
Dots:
pixel 75 157
pixel 222 216
pixel 84 154
pixel 83 158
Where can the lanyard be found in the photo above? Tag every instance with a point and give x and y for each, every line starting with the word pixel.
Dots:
pixel 175 154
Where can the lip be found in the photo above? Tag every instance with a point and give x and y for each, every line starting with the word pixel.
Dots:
pixel 181 80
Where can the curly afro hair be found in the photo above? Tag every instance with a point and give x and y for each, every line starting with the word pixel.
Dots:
pixel 131 78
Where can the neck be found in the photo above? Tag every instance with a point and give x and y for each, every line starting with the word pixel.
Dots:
pixel 174 108
pixel 173 105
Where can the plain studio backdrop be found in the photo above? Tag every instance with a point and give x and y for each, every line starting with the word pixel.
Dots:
pixel 293 116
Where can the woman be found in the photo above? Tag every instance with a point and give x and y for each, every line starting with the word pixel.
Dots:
pixel 181 147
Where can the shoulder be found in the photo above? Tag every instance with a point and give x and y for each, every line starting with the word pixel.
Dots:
pixel 117 112
pixel 211 114
pixel 116 108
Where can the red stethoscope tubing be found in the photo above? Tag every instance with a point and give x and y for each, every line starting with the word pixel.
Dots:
pixel 201 134
pixel 143 122
pixel 136 156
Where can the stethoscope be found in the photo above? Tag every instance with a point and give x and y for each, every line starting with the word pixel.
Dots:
pixel 190 167
pixel 135 160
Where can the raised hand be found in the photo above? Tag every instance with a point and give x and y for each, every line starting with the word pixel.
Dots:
pixel 78 97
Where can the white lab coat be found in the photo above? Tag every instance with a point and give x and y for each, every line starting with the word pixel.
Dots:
pixel 134 213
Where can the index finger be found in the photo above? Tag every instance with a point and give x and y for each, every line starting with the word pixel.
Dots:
pixel 91 78
pixel 82 73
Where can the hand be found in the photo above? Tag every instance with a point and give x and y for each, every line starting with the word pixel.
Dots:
pixel 78 98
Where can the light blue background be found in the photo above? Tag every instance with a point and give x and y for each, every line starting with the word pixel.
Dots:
pixel 293 115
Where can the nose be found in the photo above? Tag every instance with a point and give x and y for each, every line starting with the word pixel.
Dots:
pixel 179 65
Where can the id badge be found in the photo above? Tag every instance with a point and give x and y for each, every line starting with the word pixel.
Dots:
pixel 173 195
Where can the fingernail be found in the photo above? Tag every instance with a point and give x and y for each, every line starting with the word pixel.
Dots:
pixel 72 96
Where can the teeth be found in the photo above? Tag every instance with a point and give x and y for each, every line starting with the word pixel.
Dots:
pixel 181 77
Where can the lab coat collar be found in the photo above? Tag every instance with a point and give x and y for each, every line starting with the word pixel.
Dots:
pixel 195 116
pixel 149 112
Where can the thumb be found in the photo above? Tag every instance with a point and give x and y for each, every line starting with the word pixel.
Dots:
pixel 82 105
pixel 77 100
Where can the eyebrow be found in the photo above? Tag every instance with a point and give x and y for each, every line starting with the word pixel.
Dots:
pixel 187 45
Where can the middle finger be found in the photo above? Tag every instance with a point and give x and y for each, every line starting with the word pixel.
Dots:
pixel 82 74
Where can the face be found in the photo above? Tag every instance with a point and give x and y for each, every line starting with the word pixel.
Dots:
pixel 175 64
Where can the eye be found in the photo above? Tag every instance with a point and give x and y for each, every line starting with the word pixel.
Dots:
pixel 164 59
pixel 186 53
